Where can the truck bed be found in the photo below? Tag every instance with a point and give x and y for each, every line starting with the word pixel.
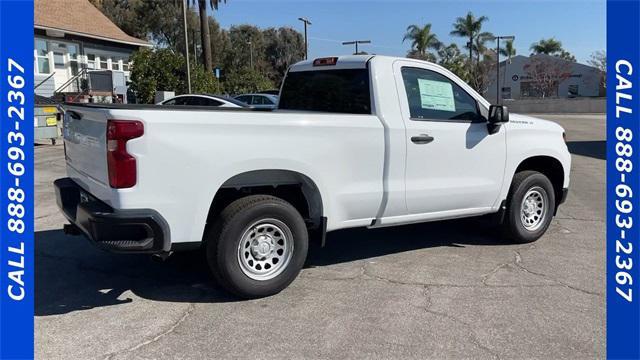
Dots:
pixel 187 153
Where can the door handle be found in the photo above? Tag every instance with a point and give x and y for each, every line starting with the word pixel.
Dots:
pixel 422 139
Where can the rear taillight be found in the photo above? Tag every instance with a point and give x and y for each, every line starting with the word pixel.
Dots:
pixel 121 164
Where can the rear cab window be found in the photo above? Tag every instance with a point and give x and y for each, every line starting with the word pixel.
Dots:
pixel 337 91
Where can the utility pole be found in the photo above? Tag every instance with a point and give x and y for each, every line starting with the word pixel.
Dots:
pixel 250 54
pixel 186 43
pixel 509 37
pixel 306 42
pixel 356 42
pixel 195 48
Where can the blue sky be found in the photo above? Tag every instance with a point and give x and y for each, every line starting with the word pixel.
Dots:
pixel 580 25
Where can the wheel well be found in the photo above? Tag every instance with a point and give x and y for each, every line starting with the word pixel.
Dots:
pixel 550 167
pixel 295 188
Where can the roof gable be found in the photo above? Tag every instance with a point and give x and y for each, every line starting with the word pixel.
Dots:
pixel 81 18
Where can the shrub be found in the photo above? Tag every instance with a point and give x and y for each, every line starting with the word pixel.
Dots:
pixel 164 70
pixel 246 81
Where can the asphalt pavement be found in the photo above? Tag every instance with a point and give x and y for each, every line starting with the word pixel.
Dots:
pixel 438 290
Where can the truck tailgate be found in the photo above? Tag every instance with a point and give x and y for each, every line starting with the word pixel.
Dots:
pixel 85 132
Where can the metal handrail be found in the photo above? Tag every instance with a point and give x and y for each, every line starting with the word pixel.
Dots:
pixel 68 82
pixel 43 81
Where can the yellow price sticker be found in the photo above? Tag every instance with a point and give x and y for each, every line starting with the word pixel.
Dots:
pixel 52 121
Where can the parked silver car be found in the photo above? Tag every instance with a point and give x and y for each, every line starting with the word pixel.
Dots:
pixel 264 101
pixel 203 100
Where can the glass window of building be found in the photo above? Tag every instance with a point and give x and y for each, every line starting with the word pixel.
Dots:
pixel 91 61
pixel 42 57
pixel 73 58
pixel 58 60
pixel 115 64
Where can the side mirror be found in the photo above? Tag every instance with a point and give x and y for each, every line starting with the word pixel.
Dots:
pixel 498 114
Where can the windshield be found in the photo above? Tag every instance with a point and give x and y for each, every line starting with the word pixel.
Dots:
pixel 338 91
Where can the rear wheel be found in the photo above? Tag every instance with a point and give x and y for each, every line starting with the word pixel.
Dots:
pixel 258 246
pixel 530 207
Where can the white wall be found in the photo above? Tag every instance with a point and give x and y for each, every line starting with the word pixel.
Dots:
pixel 558 106
pixel 585 77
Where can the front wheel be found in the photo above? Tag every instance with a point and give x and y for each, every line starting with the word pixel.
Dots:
pixel 258 246
pixel 530 207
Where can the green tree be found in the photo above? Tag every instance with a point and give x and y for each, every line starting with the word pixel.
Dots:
pixel 422 39
pixel 546 46
pixel 158 21
pixel 283 47
pixel 246 81
pixel 567 56
pixel 164 70
pixel 469 27
pixel 452 59
pixel 247 49
pixel 414 54
pixel 124 13
pixel 479 44
pixel 205 35
pixel 220 43
pixel 551 47
pixel 508 49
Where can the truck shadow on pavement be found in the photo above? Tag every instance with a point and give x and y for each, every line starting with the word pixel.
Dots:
pixel 594 149
pixel 72 275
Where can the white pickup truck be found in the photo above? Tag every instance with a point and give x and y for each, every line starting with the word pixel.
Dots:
pixel 356 141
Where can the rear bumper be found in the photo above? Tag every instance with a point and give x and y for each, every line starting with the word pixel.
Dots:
pixel 131 231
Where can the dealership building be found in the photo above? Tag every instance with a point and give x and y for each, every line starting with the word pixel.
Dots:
pixel 517 80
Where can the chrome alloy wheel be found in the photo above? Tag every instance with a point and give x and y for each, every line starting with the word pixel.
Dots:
pixel 265 249
pixel 533 208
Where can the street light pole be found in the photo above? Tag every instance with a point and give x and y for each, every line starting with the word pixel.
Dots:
pixel 186 43
pixel 250 54
pixel 306 41
pixel 498 70
pixel 510 37
pixel 356 42
pixel 195 47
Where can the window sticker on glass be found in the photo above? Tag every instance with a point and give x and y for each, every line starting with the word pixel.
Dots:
pixel 436 95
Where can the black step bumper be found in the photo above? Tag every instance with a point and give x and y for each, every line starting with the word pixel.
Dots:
pixel 130 231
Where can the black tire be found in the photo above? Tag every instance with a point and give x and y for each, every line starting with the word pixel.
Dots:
pixel 223 241
pixel 514 227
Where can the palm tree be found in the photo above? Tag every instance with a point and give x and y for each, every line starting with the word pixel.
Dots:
pixel 479 43
pixel 205 36
pixel 468 27
pixel 422 39
pixel 547 46
pixel 509 51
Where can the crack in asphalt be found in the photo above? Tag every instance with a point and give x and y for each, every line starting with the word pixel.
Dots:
pixel 473 337
pixel 367 274
pixel 569 217
pixel 518 262
pixel 157 337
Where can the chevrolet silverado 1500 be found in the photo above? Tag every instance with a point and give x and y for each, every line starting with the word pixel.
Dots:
pixel 356 141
